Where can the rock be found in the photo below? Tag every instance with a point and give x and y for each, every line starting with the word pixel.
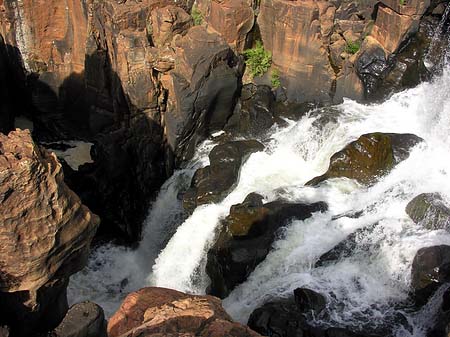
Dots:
pixel 46 234
pixel 84 319
pixel 212 183
pixel 355 243
pixel 292 32
pixel 430 269
pixel 441 325
pixel 256 113
pixel 246 237
pixel 233 19
pixel 4 331
pixel 202 90
pixel 308 300
pixel 369 157
pixel 429 210
pixel 167 22
pixel 166 312
pixel 283 318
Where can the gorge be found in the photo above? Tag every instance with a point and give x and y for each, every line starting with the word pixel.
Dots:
pixel 312 199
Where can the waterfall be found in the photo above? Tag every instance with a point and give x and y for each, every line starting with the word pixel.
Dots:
pixel 369 287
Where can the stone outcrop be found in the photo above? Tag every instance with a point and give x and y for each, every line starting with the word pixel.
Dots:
pixel 166 312
pixel 84 319
pixel 429 210
pixel 212 183
pixel 45 235
pixel 430 269
pixel 246 237
pixel 202 90
pixel 233 19
pixel 369 157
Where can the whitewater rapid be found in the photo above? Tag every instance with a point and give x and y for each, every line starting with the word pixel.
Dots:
pixel 368 286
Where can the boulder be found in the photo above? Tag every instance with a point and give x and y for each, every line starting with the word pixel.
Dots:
pixel 430 269
pixel 45 235
pixel 369 157
pixel 283 318
pixel 167 22
pixel 354 243
pixel 166 312
pixel 255 113
pixel 202 90
pixel 429 210
pixel 212 183
pixel 308 300
pixel 245 238
pixel 84 319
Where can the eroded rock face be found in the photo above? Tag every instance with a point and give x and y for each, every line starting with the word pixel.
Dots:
pixel 246 237
pixel 430 269
pixel 233 19
pixel 84 319
pixel 166 312
pixel 369 157
pixel 429 210
pixel 202 90
pixel 46 234
pixel 212 183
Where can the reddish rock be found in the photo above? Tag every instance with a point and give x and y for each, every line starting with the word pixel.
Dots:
pixel 45 235
pixel 292 32
pixel 168 22
pixel 233 19
pixel 166 312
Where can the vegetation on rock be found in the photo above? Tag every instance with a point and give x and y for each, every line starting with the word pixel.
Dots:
pixel 275 79
pixel 197 16
pixel 353 47
pixel 257 59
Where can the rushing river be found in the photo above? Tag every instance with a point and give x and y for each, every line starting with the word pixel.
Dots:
pixel 369 286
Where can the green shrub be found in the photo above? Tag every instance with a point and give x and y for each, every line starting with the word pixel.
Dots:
pixel 257 59
pixel 275 79
pixel 402 2
pixel 352 47
pixel 196 16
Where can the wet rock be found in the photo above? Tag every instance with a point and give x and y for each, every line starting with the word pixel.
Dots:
pixel 282 318
pixel 355 243
pixel 246 237
pixel 255 115
pixel 429 210
pixel 369 157
pixel 430 269
pixel 308 300
pixel 202 90
pixel 441 326
pixel 45 235
pixel 166 312
pixel 212 183
pixel 84 319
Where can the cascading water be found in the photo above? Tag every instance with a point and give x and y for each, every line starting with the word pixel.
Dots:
pixel 369 286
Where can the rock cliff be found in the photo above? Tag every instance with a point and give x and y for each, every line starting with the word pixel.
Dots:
pixel 45 235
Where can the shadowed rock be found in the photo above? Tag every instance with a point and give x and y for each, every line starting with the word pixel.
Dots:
pixel 246 237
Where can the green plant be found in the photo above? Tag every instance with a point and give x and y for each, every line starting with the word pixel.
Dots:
pixel 275 79
pixel 257 59
pixel 353 47
pixel 196 16
pixel 402 2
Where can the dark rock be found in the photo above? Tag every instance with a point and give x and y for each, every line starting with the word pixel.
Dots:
pixel 429 210
pixel 212 183
pixel 282 318
pixel 430 269
pixel 441 327
pixel 84 319
pixel 349 246
pixel 369 157
pixel 308 300
pixel 246 237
